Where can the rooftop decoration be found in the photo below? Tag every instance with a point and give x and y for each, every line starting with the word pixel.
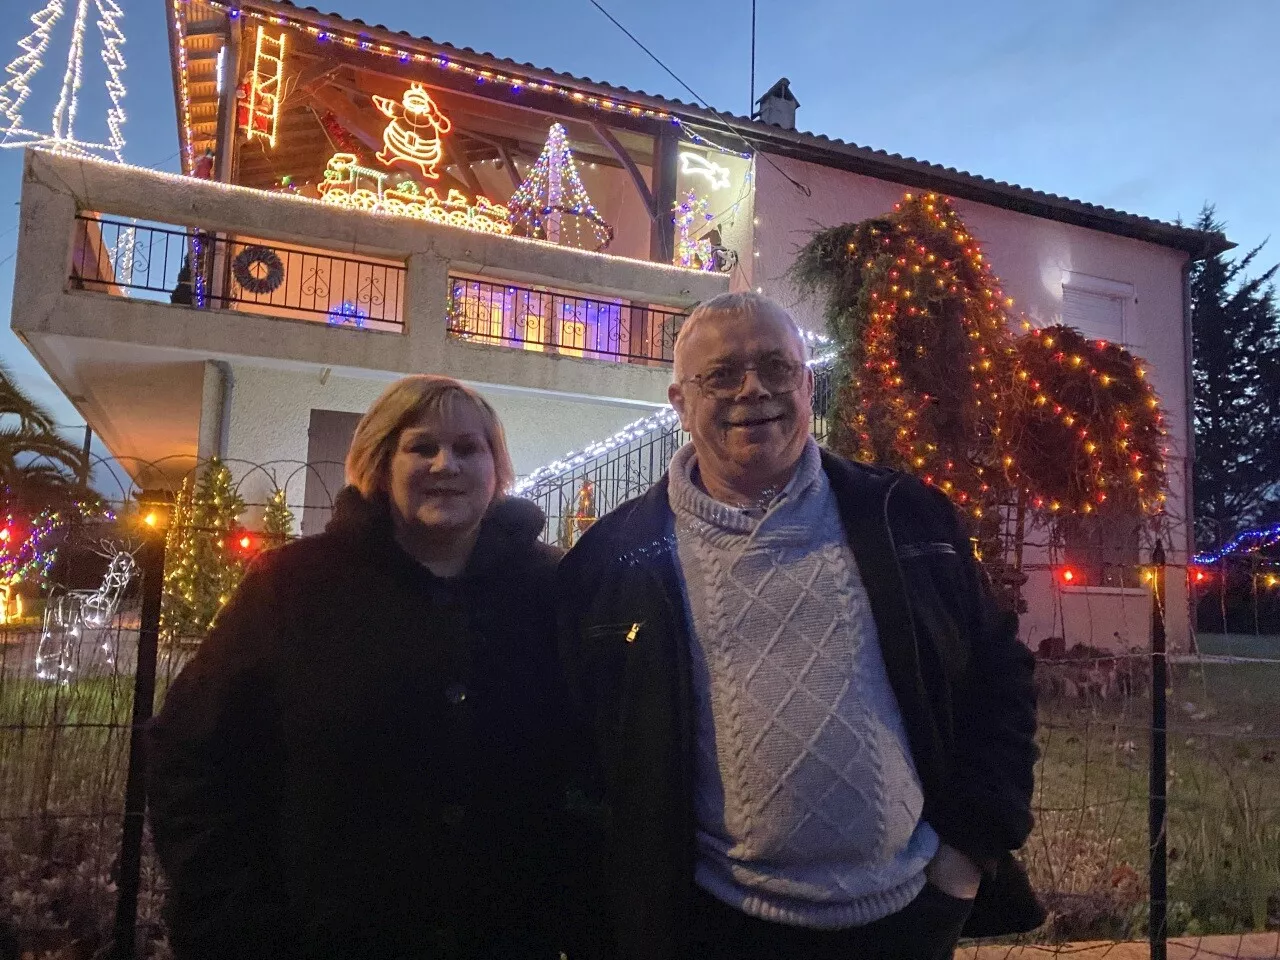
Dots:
pixel 259 116
pixel 552 204
pixel 22 71
pixel 696 165
pixel 348 184
pixel 413 134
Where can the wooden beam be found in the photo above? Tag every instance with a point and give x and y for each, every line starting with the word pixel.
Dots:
pixel 662 236
pixel 637 178
pixel 199 27
pixel 456 157
pixel 509 163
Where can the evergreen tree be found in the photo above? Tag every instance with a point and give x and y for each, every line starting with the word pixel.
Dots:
pixel 203 567
pixel 1236 366
pixel 277 521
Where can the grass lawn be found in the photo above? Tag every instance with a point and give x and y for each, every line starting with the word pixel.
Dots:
pixel 63 756
pixel 1089 851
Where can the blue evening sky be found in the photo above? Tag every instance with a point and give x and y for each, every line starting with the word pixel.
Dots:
pixel 1150 106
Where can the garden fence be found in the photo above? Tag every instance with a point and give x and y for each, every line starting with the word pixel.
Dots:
pixel 78 876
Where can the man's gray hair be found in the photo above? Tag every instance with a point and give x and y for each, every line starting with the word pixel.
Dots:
pixel 737 305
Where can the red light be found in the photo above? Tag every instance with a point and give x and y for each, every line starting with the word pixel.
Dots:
pixel 1068 576
pixel 1199 575
pixel 246 542
pixel 4 535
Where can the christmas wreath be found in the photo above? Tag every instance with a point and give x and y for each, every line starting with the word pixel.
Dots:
pixel 258 269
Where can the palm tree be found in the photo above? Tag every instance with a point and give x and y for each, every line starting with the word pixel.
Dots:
pixel 38 468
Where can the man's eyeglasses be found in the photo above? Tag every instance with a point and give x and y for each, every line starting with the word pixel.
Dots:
pixel 777 375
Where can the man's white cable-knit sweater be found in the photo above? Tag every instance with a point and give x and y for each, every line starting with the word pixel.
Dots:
pixel 808 803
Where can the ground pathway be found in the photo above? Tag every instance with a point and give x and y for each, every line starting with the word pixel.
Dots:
pixel 1249 946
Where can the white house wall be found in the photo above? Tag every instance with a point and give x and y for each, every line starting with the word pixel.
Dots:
pixel 266 441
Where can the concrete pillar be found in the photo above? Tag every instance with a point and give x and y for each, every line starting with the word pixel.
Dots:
pixel 214 410
pixel 427 290
pixel 44 246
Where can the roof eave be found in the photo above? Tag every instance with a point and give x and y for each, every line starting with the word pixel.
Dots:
pixel 812 147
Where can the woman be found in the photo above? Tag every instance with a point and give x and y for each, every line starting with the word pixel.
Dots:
pixel 364 759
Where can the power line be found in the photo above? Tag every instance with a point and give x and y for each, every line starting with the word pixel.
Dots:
pixel 728 127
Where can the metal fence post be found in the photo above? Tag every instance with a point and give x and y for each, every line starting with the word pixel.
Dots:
pixel 1158 802
pixel 124 938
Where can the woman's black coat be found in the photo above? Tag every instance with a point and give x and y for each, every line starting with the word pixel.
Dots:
pixel 364 759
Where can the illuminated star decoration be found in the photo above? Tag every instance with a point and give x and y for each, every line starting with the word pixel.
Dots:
pixel 348 314
pixel 23 69
pixel 696 165
pixel 552 198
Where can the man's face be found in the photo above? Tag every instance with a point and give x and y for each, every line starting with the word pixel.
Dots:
pixel 749 426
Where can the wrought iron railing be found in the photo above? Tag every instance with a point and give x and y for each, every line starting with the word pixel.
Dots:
pixel 593 482
pixel 208 270
pixel 483 311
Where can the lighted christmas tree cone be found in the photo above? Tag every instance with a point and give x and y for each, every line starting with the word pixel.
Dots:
pixel 552 203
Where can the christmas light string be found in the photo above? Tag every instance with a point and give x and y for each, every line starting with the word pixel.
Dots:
pixel 22 70
pixel 256 194
pixel 109 13
pixel 553 190
pixel 1247 542
pixel 15 91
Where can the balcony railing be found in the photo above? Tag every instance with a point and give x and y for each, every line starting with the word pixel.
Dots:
pixel 206 270
pixel 499 313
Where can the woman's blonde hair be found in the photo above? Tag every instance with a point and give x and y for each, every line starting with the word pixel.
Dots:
pixel 404 403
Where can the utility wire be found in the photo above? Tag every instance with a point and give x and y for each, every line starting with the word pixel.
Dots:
pixel 728 127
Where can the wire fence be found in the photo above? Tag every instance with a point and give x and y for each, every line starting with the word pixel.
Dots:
pixel 72 694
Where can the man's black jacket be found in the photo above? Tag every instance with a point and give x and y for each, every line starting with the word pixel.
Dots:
pixel 962 679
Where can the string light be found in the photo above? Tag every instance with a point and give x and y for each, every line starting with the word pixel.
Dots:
pixel 346 184
pixel 266 84
pixel 403 140
pixel 692 253
pixel 1245 543
pixel 445 64
pixel 17 89
pixel 22 70
pixel 696 165
pixel 552 193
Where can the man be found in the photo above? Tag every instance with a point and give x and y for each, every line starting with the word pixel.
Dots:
pixel 814 731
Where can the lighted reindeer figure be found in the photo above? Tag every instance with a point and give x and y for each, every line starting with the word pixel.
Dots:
pixel 67 615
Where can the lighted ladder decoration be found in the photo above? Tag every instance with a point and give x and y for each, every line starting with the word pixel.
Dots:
pixel 266 88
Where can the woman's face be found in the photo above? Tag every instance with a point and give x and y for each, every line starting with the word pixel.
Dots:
pixel 441 478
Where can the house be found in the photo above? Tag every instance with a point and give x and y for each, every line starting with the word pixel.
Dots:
pixel 358 204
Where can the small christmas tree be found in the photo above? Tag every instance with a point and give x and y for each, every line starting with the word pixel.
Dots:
pixel 203 569
pixel 552 204
pixel 277 521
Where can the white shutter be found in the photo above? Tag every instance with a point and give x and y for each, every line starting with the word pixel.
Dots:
pixel 1096 315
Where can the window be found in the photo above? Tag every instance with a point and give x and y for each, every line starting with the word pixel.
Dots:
pixel 1102 550
pixel 1096 307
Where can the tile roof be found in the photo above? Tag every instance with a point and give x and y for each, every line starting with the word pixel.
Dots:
pixel 830 151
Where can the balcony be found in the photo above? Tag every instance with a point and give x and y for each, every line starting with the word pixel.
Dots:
pixel 208 271
pixel 129 282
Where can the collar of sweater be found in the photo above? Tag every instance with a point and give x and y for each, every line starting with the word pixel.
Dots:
pixel 713 518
